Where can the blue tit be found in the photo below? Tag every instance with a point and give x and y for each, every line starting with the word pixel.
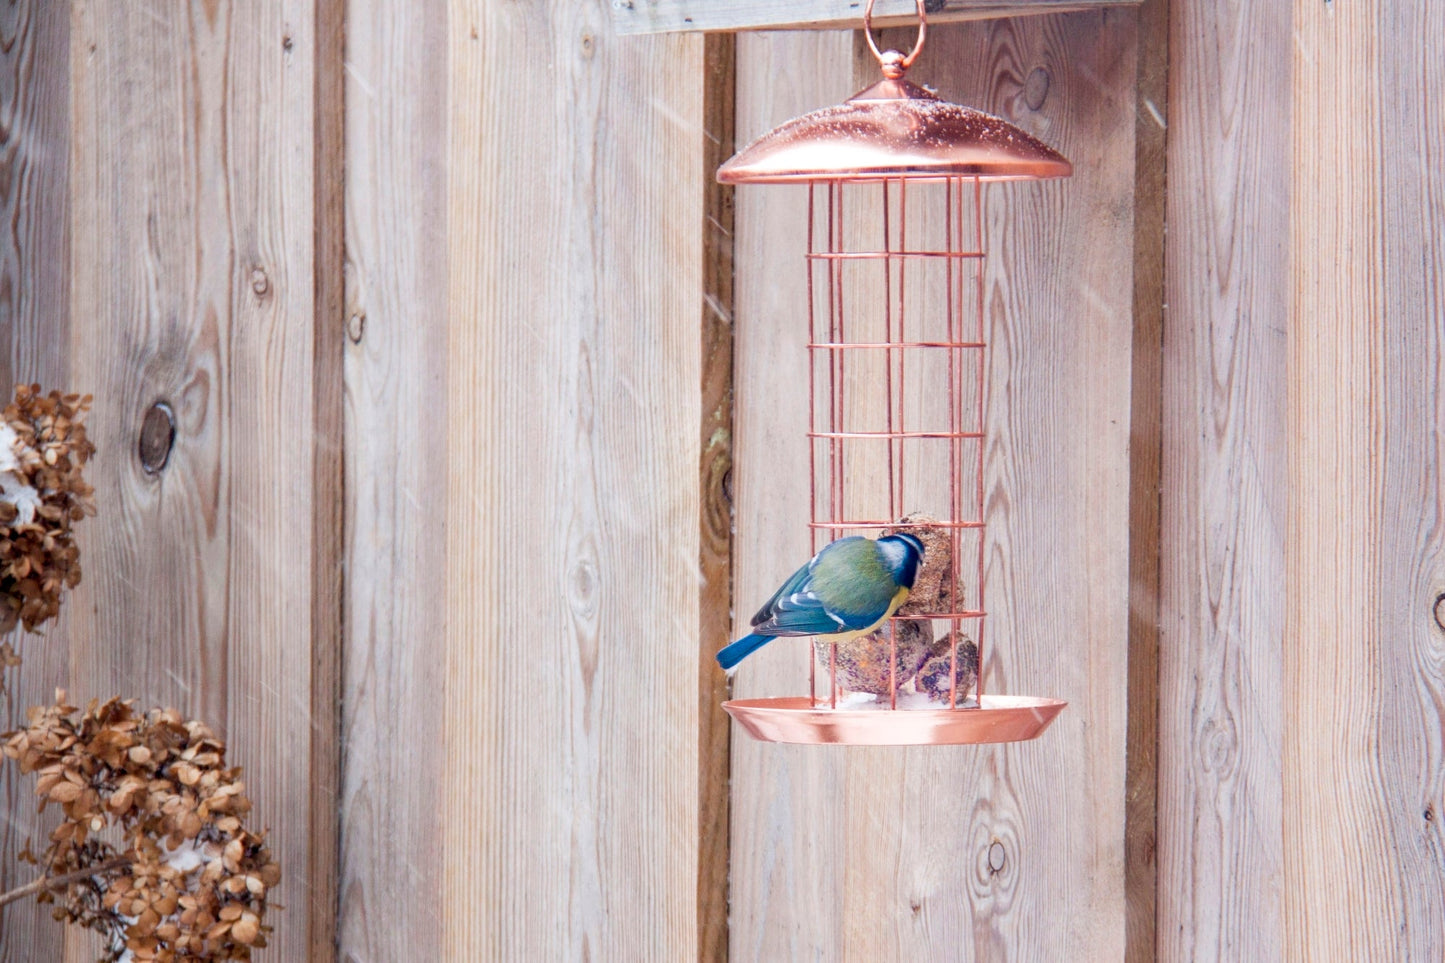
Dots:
pixel 847 590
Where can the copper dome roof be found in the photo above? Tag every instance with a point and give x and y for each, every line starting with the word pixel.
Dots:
pixel 893 128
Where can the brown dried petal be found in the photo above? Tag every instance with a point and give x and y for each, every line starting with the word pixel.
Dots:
pixel 108 766
pixel 247 928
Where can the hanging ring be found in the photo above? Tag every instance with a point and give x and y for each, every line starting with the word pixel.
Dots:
pixel 895 63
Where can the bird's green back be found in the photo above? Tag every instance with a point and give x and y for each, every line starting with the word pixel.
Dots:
pixel 853 577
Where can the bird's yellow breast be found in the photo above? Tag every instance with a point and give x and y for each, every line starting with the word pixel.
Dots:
pixel 899 597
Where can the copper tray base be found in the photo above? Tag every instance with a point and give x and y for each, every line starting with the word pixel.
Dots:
pixel 1001 718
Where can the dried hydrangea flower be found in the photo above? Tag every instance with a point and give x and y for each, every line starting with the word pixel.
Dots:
pixel 43 493
pixel 186 881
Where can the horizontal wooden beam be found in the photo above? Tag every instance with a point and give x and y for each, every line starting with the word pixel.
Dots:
pixel 660 16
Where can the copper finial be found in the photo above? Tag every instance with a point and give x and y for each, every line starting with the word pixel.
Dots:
pixel 894 63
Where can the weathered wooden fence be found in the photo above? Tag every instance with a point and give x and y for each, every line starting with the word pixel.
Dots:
pixel 468 361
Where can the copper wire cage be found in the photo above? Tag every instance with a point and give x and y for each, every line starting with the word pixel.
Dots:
pixel 898 342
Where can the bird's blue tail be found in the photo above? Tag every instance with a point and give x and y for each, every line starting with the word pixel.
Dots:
pixel 734 652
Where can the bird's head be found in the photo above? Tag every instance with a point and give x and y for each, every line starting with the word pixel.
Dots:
pixel 903 553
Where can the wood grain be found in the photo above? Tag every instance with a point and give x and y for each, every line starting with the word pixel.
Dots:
pixel 782 901
pixel 1141 788
pixel 397 407
pixel 1410 460
pixel 575 273
pixel 1363 737
pixel 193 280
pixel 1334 679
pixel 715 519
pixel 1223 503
pixel 34 346
pixel 657 16
pixel 958 853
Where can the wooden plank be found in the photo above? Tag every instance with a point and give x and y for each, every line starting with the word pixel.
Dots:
pixel 659 16
pixel 715 520
pixel 1146 455
pixel 836 855
pixel 1223 504
pixel 569 801
pixel 1407 464
pixel 396 431
pixel 783 903
pixel 34 346
pixel 1333 678
pixel 1363 737
pixel 194 282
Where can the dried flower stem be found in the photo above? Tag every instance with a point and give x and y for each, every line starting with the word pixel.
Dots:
pixel 63 880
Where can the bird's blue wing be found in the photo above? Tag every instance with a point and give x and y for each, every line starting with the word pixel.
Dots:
pixel 841 589
pixel 795 583
pixel 802 613
pixel 795 610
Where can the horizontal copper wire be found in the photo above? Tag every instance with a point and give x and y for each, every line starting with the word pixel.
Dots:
pixel 894 435
pixel 885 523
pixel 889 345
pixel 892 255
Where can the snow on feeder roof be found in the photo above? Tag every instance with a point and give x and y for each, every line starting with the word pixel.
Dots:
pixel 894 128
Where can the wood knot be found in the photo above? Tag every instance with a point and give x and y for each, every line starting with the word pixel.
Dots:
pixel 1440 611
pixel 356 327
pixel 157 435
pixel 583 585
pixel 1036 88
pixel 260 283
pixel 1218 745
pixel 997 858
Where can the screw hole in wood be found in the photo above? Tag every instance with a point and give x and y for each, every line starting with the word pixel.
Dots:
pixel 997 857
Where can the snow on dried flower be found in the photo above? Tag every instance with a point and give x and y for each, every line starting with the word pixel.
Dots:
pixel 187 882
pixel 43 493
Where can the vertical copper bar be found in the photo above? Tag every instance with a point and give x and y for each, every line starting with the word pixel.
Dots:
pixel 812 413
pixel 888 337
pixel 812 367
pixel 812 678
pixel 833 675
pixel 835 480
pixel 893 666
pixel 835 226
pixel 954 243
pixel 982 420
pixel 898 508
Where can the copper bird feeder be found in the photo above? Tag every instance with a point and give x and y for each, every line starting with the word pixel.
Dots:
pixel 898 350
